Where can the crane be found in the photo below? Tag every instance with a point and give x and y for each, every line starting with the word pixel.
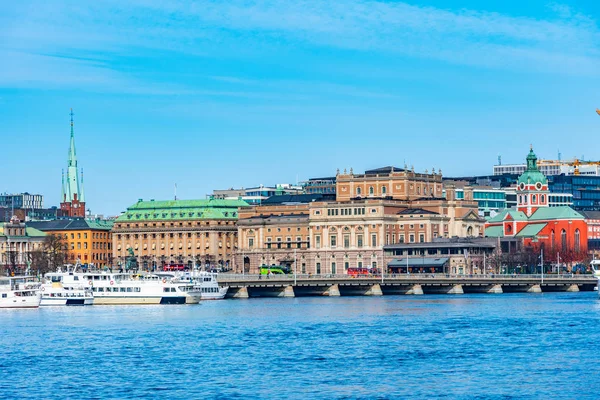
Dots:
pixel 598 111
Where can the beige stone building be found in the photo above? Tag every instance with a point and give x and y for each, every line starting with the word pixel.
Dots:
pixel 180 232
pixel 328 237
pixel 17 242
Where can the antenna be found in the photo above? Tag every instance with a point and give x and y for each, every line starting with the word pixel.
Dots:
pixel 175 191
pixel 559 155
pixel 499 159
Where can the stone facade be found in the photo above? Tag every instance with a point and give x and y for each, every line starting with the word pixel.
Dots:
pixel 17 241
pixel 328 237
pixel 179 232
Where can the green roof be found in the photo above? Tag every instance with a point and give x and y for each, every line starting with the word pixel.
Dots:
pixel 562 212
pixel 494 231
pixel 34 232
pixel 515 215
pixel 532 174
pixel 183 210
pixel 531 230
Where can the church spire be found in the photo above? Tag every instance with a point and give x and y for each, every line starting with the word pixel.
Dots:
pixel 72 153
pixel 81 192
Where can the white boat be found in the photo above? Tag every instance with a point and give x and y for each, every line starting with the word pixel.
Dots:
pixel 595 265
pixel 204 283
pixel 66 289
pixel 124 288
pixel 19 292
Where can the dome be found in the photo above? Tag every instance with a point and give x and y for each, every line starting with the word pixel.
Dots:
pixel 532 174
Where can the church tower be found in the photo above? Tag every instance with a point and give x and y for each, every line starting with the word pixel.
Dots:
pixel 532 187
pixel 72 198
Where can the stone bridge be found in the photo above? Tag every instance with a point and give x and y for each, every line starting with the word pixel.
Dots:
pixel 244 286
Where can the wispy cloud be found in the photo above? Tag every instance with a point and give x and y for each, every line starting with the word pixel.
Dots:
pixel 44 44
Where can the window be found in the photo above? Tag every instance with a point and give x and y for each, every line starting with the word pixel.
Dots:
pixel 318 266
pixel 401 238
pixel 421 238
pixel 577 244
pixel 346 265
pixel 85 235
pixel 250 242
pixel 358 191
pixel 552 240
pixel 346 241
pixel 371 190
pixel 411 238
pixel 359 240
pixel 333 240
pixel 78 235
pixel 383 190
pixel 303 268
pixel 333 267
pixel 563 240
pixel 318 241
pixel 374 240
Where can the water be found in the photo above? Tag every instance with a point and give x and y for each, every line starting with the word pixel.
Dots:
pixel 462 346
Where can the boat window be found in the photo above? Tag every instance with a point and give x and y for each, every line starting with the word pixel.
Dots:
pixel 129 290
pixel 104 278
pixel 94 289
pixel 55 279
pixel 101 289
pixel 75 278
pixel 122 290
pixel 109 289
pixel 137 289
pixel 3 295
pixel 165 289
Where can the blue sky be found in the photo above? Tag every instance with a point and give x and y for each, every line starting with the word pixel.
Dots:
pixel 240 93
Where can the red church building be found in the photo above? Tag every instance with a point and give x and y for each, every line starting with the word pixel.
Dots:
pixel 561 231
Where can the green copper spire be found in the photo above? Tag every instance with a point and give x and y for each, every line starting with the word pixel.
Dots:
pixel 72 186
pixel 532 174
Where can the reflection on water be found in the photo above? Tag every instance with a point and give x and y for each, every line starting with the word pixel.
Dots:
pixel 462 346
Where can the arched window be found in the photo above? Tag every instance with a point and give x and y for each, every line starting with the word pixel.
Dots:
pixel 533 199
pixel 552 239
pixel 563 240
pixel 542 199
pixel 358 191
pixel 371 190
pixel 577 240
pixel 470 231
pixel 383 190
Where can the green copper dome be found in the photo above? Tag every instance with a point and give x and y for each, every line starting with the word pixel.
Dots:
pixel 532 174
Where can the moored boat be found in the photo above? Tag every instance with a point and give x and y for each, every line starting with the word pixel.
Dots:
pixel 205 284
pixel 66 289
pixel 19 292
pixel 123 288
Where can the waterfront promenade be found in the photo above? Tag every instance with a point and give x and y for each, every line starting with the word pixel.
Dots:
pixel 244 286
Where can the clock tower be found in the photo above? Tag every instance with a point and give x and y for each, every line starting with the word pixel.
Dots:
pixel 532 187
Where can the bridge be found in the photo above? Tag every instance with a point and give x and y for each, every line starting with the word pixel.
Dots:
pixel 244 286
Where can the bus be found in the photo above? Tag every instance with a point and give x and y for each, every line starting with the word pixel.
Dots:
pixel 358 271
pixel 275 269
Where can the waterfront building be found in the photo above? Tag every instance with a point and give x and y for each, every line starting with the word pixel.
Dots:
pixel 88 241
pixel 319 235
pixel 17 242
pixel 319 185
pixel 258 194
pixel 72 196
pixel 178 232
pixel 21 200
pixel 390 183
pixel 441 255
pixel 557 229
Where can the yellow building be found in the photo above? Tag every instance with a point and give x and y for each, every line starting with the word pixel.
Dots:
pixel 17 242
pixel 88 241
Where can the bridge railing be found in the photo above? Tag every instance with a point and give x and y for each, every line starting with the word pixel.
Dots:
pixel 291 277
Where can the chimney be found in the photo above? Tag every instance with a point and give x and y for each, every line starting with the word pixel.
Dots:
pixel 468 191
pixel 451 193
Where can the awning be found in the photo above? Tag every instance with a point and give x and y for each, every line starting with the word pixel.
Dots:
pixel 419 262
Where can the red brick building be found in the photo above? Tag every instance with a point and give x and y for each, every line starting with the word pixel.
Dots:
pixel 560 231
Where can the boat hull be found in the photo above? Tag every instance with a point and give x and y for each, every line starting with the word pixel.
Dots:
pixel 73 301
pixel 20 302
pixel 138 300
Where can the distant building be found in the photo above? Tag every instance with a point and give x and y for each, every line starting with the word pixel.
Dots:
pixel 324 235
pixel 88 242
pixel 319 185
pixel 555 229
pixel 73 196
pixel 17 241
pixel 21 200
pixel 553 167
pixel 258 194
pixel 178 232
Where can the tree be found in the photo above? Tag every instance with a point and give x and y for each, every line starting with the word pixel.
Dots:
pixel 55 250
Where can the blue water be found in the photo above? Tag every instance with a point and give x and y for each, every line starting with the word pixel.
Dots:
pixel 462 346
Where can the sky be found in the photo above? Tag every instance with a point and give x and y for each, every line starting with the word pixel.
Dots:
pixel 212 95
